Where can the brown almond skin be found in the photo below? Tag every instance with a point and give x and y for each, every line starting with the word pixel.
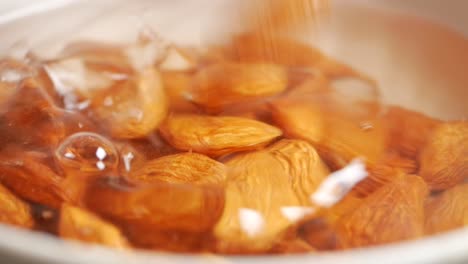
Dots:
pixel 188 167
pixel 219 85
pixel 33 181
pixel 255 181
pixel 161 206
pixel 14 211
pixel 395 212
pixel 137 108
pixel 81 225
pixel 444 159
pixel 409 130
pixel 306 168
pixel 447 211
pixel 284 174
pixel 335 132
pixel 216 136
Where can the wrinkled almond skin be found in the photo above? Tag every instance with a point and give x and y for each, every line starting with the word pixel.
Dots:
pixel 284 174
pixel 161 206
pixel 14 211
pixel 305 167
pixel 444 159
pixel 216 136
pixel 33 181
pixel 133 108
pixel 258 182
pixel 448 210
pixel 223 84
pixel 409 130
pixel 379 175
pixel 393 213
pixel 182 168
pixel 337 135
pixel 81 225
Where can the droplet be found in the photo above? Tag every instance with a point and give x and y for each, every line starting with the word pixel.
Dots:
pixel 91 153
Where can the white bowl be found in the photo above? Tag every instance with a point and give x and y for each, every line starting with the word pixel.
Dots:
pixel 418 63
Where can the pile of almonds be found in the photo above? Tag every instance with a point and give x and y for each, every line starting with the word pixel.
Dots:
pixel 230 149
pixel 241 148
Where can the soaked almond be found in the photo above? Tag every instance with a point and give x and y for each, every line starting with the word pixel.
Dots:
pixel 81 225
pixel 162 206
pixel 182 168
pixel 134 108
pixel 33 181
pixel 393 213
pixel 306 169
pixel 258 186
pixel 219 85
pixel 216 136
pixel 267 192
pixel 448 210
pixel 14 211
pixel 409 130
pixel 338 136
pixel 444 159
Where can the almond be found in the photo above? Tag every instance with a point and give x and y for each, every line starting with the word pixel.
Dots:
pixel 223 84
pixel 444 159
pixel 132 108
pixel 448 210
pixel 161 206
pixel 393 213
pixel 33 181
pixel 81 225
pixel 267 192
pixel 216 136
pixel 14 211
pixel 182 168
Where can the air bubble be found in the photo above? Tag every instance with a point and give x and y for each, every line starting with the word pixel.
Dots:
pixel 87 152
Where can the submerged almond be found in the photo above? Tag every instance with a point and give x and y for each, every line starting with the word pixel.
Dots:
pixel 267 192
pixel 81 225
pixel 393 213
pixel 133 108
pixel 409 130
pixel 223 84
pixel 257 188
pixel 303 164
pixel 161 206
pixel 448 210
pixel 182 168
pixel 14 211
pixel 216 136
pixel 33 181
pixel 444 159
pixel 339 136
